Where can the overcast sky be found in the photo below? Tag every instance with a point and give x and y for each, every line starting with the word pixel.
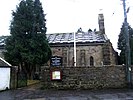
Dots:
pixel 69 15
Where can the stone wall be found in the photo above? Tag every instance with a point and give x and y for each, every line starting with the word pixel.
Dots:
pixel 85 77
pixel 109 55
pixel 101 55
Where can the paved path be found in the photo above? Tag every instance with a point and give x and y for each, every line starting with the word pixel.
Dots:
pixel 37 94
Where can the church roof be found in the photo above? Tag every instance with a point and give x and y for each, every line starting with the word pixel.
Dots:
pixel 4 63
pixel 79 37
pixel 89 36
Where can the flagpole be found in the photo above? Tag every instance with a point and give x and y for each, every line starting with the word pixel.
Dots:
pixel 74 49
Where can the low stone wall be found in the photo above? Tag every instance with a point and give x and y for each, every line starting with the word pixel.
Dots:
pixel 85 77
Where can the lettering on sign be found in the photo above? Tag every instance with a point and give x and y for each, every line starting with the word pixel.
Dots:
pixel 56 61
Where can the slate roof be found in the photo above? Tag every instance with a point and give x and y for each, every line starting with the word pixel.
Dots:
pixel 90 37
pixel 80 37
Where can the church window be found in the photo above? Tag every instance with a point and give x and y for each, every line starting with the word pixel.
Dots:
pixel 91 61
pixel 73 61
pixel 65 57
pixel 82 57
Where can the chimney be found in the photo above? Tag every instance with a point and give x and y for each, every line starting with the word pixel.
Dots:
pixel 101 23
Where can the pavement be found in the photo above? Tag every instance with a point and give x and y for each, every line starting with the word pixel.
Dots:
pixel 35 93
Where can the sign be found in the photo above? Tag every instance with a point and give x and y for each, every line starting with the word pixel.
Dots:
pixel 56 61
pixel 56 75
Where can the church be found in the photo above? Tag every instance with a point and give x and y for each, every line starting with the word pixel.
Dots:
pixel 92 48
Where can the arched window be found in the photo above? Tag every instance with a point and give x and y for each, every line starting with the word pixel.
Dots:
pixel 82 57
pixel 64 53
pixel 73 61
pixel 91 61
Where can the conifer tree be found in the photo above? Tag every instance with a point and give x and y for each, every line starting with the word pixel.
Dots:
pixel 122 44
pixel 27 46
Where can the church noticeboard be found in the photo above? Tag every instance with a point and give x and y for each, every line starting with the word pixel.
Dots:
pixel 56 61
pixel 56 75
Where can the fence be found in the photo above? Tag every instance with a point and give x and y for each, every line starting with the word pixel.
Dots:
pixel 18 78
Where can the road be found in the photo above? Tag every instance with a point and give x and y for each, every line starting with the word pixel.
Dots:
pixel 34 93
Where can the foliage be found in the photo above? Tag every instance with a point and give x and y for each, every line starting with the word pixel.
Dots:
pixel 27 45
pixel 122 44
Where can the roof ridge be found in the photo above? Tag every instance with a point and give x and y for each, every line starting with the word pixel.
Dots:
pixel 5 61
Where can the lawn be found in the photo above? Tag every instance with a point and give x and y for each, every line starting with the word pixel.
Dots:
pixel 31 82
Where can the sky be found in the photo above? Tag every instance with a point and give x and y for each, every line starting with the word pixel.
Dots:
pixel 69 15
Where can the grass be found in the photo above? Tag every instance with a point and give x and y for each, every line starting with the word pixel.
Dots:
pixel 31 82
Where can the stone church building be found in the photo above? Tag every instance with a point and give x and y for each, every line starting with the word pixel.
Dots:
pixel 93 48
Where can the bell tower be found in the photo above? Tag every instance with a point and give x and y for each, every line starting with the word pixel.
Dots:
pixel 101 23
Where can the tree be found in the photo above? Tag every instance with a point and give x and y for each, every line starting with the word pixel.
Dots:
pixel 122 44
pixel 27 46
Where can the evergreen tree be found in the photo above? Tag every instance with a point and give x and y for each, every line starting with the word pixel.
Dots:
pixel 122 44
pixel 27 46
